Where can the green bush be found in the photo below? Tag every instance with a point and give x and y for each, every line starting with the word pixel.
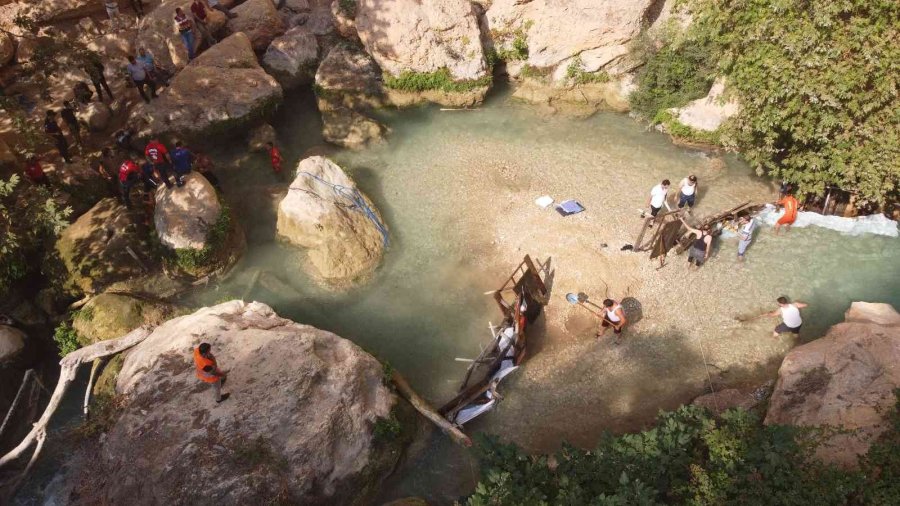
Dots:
pixel 693 458
pixel 576 74
pixel 386 429
pixel 684 132
pixel 438 80
pixel 66 339
pixel 192 260
pixel 673 76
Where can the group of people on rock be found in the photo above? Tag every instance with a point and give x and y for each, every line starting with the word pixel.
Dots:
pixel 701 246
pixel 189 26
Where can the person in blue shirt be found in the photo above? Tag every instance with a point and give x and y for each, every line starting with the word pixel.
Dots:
pixel 182 159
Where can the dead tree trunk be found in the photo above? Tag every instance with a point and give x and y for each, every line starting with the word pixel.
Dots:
pixel 428 412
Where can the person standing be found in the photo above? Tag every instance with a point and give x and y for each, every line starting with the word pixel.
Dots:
pixel 186 29
pixel 207 370
pixel 95 70
pixel 747 225
pixel 139 77
pixel 51 128
pixel 687 192
pixel 34 172
pixel 182 158
pixel 613 317
pixel 138 7
pixel 129 175
pixel 657 199
pixel 112 10
pixel 214 4
pixel 790 316
pixel 205 167
pixel 275 156
pixel 157 154
pixel 201 21
pixel 700 247
pixel 791 206
pixel 68 115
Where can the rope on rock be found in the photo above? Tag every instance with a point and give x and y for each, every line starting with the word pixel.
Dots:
pixel 351 195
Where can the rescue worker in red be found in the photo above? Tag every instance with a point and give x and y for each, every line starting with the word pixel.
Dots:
pixel 276 157
pixel 208 370
pixel 35 172
pixel 158 155
pixel 129 175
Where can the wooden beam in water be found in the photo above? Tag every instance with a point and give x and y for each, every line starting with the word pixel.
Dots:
pixel 428 412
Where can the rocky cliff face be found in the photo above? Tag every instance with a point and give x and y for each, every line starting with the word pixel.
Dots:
pixel 845 379
pixel 299 427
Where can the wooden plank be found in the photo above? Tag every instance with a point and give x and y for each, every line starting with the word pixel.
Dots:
pixel 427 411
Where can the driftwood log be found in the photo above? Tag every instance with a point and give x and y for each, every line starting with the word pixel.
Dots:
pixel 429 412
pixel 68 367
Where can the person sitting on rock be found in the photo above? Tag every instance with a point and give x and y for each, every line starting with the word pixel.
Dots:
pixel 158 155
pixel 208 370
pixel 276 157
pixel 182 159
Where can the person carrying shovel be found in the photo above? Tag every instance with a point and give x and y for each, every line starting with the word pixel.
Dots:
pixel 613 316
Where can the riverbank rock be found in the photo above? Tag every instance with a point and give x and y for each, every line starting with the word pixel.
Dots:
pixel 111 316
pixel 185 216
pixel 259 20
pixel 156 32
pixel 94 249
pixel 844 379
pixel 576 99
pixel 292 57
pixel 12 341
pixel 298 427
pixel 592 34
pixel 343 243
pixel 417 36
pixel 708 113
pixel 199 106
pixel 349 129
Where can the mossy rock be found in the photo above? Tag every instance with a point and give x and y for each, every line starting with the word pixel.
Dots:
pixel 105 384
pixel 110 316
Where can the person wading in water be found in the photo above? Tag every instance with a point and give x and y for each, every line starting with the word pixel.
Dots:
pixel 791 205
pixel 613 316
pixel 701 246
pixel 790 316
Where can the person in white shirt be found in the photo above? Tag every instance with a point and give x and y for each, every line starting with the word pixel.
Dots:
pixel 687 191
pixel 790 316
pixel 658 198
pixel 613 316
pixel 745 234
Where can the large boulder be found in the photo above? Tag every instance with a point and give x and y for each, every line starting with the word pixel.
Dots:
pixel 224 90
pixel 348 128
pixel 185 216
pixel 845 379
pixel 593 34
pixel 708 113
pixel 422 36
pixel 12 341
pixel 292 58
pixel 344 244
pixel 96 115
pixel 97 248
pixel 157 33
pixel 110 316
pixel 259 20
pixel 299 426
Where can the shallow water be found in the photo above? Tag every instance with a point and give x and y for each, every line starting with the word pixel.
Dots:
pixel 456 189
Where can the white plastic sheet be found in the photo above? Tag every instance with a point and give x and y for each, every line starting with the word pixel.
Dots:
pixel 873 224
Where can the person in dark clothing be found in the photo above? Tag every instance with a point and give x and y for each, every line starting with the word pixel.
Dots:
pixel 205 167
pixel 138 7
pixel 148 176
pixel 124 138
pixel 68 115
pixel 51 128
pixel 105 165
pixel 94 68
pixel 82 92
pixel 182 159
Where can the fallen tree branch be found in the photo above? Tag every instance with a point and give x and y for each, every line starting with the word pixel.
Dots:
pixel 428 412
pixel 68 367
pixel 87 391
pixel 28 375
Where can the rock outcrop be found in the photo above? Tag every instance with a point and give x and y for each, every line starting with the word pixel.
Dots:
pixel 157 33
pixel 185 216
pixel 96 115
pixel 845 380
pixel 12 341
pixel 111 316
pixel 422 36
pixel 7 49
pixel 708 113
pixel 299 426
pixel 223 90
pixel 259 20
pixel 292 58
pixel 95 248
pixel 343 243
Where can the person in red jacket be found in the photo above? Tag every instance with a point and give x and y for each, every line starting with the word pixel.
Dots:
pixel 158 155
pixel 276 157
pixel 129 175
pixel 207 370
pixel 35 172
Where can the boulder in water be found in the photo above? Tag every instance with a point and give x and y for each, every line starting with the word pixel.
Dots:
pixel 292 58
pixel 185 216
pixel 259 20
pixel 347 128
pixel 198 106
pixel 343 243
pixel 111 316
pixel 845 379
pixel 12 341
pixel 299 426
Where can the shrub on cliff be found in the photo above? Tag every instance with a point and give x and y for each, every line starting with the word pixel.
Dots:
pixel 690 458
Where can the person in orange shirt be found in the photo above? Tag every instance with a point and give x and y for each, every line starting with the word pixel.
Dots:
pixel 791 206
pixel 208 371
pixel 276 157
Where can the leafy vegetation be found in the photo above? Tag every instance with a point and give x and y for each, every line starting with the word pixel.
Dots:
pixel 576 74
pixel 677 129
pixel 66 339
pixel 691 458
pixel 438 80
pixel 387 429
pixel 817 84
pixel 192 260
pixel 105 409
pixel 509 44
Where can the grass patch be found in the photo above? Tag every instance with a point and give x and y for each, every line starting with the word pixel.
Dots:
pixel 66 339
pixel 193 260
pixel 683 132
pixel 86 313
pixel 576 73
pixel 440 80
